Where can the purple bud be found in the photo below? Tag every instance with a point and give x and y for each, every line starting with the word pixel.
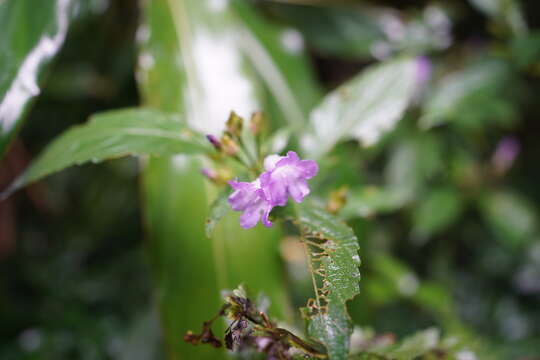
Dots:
pixel 423 70
pixel 214 141
pixel 209 173
pixel 505 154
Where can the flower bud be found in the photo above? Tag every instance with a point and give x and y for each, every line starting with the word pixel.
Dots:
pixel 257 122
pixel 214 141
pixel 337 200
pixel 209 174
pixel 234 124
pixel 228 145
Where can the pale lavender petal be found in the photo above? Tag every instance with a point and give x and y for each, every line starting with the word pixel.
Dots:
pixel 288 177
pixel 243 196
pixel 249 218
pixel 275 191
pixel 298 190
pixel 270 162
pixel 309 168
pixel 249 198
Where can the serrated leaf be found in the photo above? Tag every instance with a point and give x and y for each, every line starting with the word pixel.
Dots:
pixel 333 256
pixel 111 135
pixel 218 210
pixel 364 108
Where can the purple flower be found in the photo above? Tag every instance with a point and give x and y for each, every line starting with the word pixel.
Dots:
pixel 505 154
pixel 214 141
pixel 249 198
pixel 286 176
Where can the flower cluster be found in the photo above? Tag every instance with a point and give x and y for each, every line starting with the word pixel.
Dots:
pixel 284 176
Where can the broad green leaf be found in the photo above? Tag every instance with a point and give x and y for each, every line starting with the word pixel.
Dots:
pixel 470 96
pixel 438 210
pixel 333 256
pixel 32 34
pixel 254 56
pixel 191 62
pixel 416 345
pixel 278 56
pixel 338 31
pixel 367 31
pixel 111 135
pixel 526 49
pixel 367 201
pixel 218 210
pixel 425 344
pixel 364 108
pixel 507 12
pixel 513 218
pixel 412 161
pixel 183 266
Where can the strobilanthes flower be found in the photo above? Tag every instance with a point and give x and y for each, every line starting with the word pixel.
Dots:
pixel 287 175
pixel 284 176
pixel 249 198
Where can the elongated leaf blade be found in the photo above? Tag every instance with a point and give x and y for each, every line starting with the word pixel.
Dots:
pixel 32 34
pixel 191 62
pixel 278 57
pixel 364 108
pixel 334 261
pixel 111 135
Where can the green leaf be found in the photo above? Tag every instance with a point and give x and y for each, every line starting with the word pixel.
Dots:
pixel 278 56
pixel 416 345
pixel 178 72
pixel 412 161
pixel 218 210
pixel 507 12
pixel 332 250
pixel 438 210
pixel 338 31
pixel 364 108
pixel 111 135
pixel 32 34
pixel 511 216
pixel 470 96
pixel 369 201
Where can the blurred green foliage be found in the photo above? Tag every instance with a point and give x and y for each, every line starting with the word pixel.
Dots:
pixel 444 201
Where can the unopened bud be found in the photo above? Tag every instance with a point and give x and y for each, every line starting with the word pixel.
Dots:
pixel 228 145
pixel 337 200
pixel 234 124
pixel 214 141
pixel 257 122
pixel 220 176
pixel 209 174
